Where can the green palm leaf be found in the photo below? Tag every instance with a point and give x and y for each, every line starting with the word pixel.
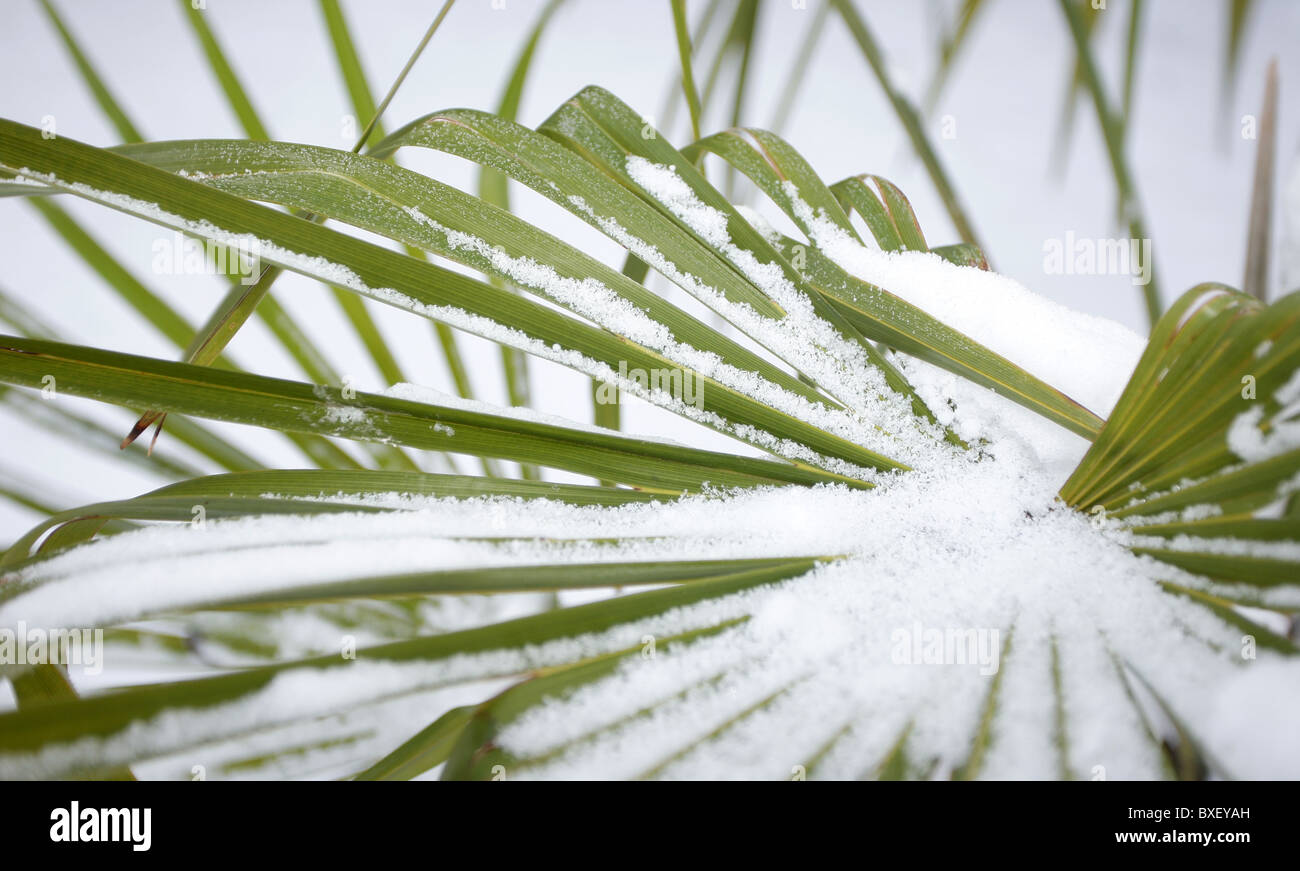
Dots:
pixel 702 613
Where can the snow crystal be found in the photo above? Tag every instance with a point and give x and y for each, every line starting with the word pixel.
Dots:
pixel 971 546
pixel 810 681
pixel 1249 442
pixel 1062 347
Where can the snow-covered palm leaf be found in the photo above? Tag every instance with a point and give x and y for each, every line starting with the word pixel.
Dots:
pixel 894 590
pixel 1200 460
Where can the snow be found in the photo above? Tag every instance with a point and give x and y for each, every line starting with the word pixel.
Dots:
pixel 981 546
pixel 969 544
pixel 1247 440
pixel 1252 705
pixel 802 340
pixel 828 639
pixel 852 427
pixel 1041 336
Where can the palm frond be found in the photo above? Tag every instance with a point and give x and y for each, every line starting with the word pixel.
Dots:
pixel 751 611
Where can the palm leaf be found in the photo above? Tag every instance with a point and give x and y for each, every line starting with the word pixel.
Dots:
pixel 769 596
pixel 1197 463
